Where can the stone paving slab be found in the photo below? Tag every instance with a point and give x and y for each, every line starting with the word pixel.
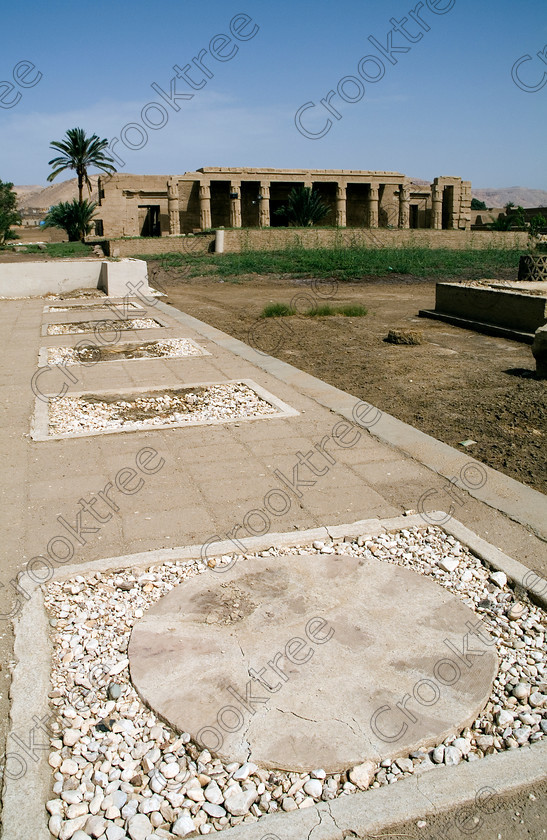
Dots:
pixel 342 628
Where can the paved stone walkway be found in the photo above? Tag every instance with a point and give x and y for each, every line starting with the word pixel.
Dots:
pixel 211 477
pixel 82 499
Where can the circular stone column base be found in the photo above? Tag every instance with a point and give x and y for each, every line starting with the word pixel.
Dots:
pixel 313 661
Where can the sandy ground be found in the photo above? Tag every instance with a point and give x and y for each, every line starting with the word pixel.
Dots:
pixel 457 386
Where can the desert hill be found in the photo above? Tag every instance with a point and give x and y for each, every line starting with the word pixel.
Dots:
pixel 44 197
pixel 35 196
pixel 518 195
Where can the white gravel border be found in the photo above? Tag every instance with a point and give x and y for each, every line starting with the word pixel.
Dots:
pixel 34 661
pixel 40 427
pixel 75 327
pixel 174 348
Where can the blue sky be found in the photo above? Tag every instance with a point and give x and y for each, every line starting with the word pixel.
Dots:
pixel 449 106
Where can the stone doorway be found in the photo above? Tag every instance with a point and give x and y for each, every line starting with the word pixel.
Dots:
pixel 149 220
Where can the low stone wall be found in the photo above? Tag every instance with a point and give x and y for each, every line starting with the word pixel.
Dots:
pixel 498 307
pixel 277 239
pixel 273 239
pixel 200 244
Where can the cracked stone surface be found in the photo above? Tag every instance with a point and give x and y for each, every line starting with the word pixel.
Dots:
pixel 300 662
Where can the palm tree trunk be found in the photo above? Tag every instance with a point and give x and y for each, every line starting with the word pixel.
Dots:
pixel 80 187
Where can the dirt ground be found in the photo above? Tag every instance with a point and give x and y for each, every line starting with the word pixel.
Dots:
pixel 456 386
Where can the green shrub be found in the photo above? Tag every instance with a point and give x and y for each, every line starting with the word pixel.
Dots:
pixel 276 310
pixel 353 310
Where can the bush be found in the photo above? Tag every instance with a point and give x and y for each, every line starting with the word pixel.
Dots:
pixel 276 310
pixel 73 216
pixel 353 310
pixel 8 211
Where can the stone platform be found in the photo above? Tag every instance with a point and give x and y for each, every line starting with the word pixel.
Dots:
pixel 303 662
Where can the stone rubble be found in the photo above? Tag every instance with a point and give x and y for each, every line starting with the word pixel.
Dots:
pixel 107 325
pixel 103 304
pixel 230 401
pixel 119 772
pixel 170 348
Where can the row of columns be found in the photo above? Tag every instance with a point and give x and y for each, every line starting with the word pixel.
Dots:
pixel 264 205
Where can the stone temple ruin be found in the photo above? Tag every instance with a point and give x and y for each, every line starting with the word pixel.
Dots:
pixel 211 197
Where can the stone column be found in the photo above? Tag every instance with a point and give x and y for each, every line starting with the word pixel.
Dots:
pixel 264 208
pixel 437 211
pixel 235 205
pixel 173 207
pixel 404 206
pixel 308 184
pixel 373 205
pixel 341 205
pixel 204 206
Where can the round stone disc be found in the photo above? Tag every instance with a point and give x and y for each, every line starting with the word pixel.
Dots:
pixel 312 661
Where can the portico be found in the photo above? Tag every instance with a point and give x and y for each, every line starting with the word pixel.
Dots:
pixel 230 197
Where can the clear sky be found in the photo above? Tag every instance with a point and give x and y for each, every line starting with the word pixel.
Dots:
pixel 447 106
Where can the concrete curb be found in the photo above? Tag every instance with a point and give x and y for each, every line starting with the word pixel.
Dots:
pixel 24 798
pixel 478 326
pixel 412 798
pixel 520 503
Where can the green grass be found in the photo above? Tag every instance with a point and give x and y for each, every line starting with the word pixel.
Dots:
pixel 60 249
pixel 352 310
pixel 347 263
pixel 321 311
pixel 278 310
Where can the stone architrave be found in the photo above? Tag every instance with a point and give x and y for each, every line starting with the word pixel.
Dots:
pixel 404 206
pixel 373 205
pixel 173 207
pixel 313 661
pixel 235 205
pixel 341 205
pixel 204 206
pixel 264 209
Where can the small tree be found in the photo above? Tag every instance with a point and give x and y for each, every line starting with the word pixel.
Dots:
pixel 538 224
pixel 79 152
pixel 512 218
pixel 304 208
pixel 73 216
pixel 478 205
pixel 8 211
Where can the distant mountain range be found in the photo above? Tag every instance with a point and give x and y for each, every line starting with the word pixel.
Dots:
pixel 36 196
pixel 518 195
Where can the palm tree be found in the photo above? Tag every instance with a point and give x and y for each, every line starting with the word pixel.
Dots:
pixel 79 153
pixel 73 216
pixel 304 207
